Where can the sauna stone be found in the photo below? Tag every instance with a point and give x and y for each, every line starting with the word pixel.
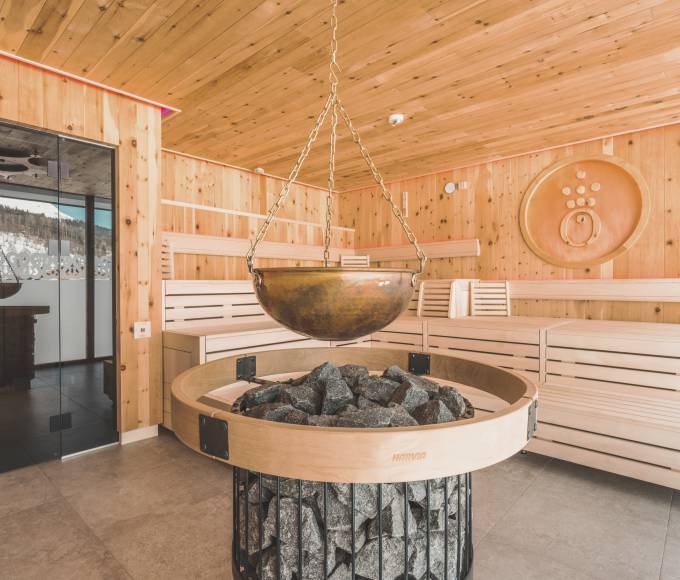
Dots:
pixel 302 397
pixel 336 395
pixel 262 394
pixel 349 396
pixel 410 396
pixel 432 412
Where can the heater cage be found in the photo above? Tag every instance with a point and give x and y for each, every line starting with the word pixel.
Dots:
pixel 247 560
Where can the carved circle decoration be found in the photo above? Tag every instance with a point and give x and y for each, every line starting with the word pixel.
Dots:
pixel 584 210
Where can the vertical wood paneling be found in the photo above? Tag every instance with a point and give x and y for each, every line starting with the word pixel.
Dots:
pixel 489 210
pixel 216 185
pixel 48 101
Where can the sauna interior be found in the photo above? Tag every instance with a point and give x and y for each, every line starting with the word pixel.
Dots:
pixel 340 289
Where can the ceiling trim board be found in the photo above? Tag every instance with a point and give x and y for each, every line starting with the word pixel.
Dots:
pixel 82 80
pixel 231 166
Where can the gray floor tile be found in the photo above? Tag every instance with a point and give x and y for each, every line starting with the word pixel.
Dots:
pixel 73 476
pixel 496 559
pixel 497 488
pixel 164 489
pixel 192 542
pixel 51 541
pixel 24 488
pixel 600 524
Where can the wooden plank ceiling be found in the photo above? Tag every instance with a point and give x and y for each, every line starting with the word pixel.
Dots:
pixel 477 80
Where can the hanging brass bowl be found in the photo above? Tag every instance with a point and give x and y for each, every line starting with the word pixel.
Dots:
pixel 333 303
pixel 8 289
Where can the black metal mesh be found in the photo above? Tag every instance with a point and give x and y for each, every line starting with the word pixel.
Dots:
pixel 289 529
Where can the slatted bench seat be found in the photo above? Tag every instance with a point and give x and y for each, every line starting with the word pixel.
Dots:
pixel 509 342
pixel 611 398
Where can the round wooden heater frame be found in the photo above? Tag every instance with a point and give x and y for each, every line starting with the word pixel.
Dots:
pixel 347 455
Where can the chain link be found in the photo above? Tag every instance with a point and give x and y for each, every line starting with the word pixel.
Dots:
pixel 334 105
pixel 283 194
pixel 333 77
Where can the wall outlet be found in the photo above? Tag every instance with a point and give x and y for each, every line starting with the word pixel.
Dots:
pixel 142 330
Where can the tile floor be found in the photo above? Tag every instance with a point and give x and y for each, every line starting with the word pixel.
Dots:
pixel 155 509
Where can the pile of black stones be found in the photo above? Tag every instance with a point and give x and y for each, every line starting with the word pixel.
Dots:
pixel 427 518
pixel 348 396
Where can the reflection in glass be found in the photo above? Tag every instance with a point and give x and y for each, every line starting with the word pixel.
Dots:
pixel 57 379
pixel 29 318
pixel 87 377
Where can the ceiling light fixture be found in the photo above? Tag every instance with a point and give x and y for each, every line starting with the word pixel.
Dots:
pixel 395 119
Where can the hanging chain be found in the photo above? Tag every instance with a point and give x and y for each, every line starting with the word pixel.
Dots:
pixel 262 232
pixel 333 77
pixel 334 105
pixel 422 258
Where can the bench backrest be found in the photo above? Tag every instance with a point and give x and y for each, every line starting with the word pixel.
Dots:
pixel 489 298
pixel 436 299
pixel 350 261
pixel 200 302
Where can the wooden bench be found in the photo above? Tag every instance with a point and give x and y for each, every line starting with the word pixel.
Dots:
pixel 609 392
pixel 611 398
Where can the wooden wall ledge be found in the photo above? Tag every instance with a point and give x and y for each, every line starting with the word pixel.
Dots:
pixel 179 243
pixel 237 247
pixel 628 290
pixel 448 249
pixel 248 214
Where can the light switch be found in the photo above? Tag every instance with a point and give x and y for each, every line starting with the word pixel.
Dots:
pixel 142 329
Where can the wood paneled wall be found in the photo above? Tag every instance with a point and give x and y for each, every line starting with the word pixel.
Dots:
pixel 49 101
pixel 489 210
pixel 205 183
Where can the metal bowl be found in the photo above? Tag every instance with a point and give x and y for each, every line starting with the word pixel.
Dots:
pixel 8 289
pixel 334 303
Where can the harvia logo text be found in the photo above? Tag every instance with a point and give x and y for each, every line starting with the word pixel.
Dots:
pixel 408 457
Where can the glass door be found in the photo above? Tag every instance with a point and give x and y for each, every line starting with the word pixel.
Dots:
pixel 58 390
pixel 30 377
pixel 88 379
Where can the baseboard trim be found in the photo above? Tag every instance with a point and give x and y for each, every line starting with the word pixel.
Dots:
pixel 88 451
pixel 139 434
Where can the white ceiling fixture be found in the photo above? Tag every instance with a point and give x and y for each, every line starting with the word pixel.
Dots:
pixel 259 170
pixel 395 119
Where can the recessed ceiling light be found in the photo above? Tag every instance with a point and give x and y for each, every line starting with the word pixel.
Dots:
pixel 395 119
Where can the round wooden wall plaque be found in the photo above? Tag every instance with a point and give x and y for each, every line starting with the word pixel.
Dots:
pixel 583 211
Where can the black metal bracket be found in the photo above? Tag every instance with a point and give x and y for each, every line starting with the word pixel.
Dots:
pixel 214 436
pixel 532 421
pixel 246 367
pixel 60 422
pixel 419 363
